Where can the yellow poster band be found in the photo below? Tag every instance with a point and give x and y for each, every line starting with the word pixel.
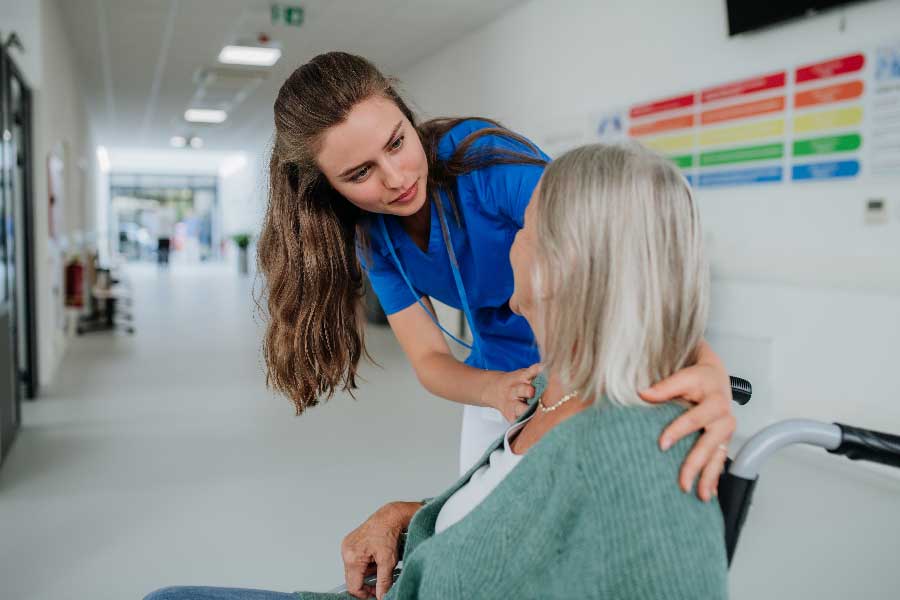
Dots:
pixel 740 133
pixel 828 119
pixel 670 143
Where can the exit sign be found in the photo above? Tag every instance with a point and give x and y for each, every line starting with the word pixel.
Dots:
pixel 291 16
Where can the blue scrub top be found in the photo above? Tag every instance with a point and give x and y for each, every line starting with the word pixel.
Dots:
pixel 492 202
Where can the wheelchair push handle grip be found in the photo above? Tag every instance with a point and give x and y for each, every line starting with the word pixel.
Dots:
pixel 864 444
pixel 373 579
pixel 741 390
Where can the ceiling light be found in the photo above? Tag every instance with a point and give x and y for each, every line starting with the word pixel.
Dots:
pixel 257 56
pixel 178 141
pixel 196 142
pixel 205 115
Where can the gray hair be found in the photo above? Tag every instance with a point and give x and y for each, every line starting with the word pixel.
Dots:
pixel 621 281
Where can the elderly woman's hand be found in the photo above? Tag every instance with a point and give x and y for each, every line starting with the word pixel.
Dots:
pixel 707 385
pixel 372 548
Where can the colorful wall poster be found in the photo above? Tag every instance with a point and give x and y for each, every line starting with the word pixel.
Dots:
pixel 885 105
pixel 827 119
pixel 731 134
pixel 741 137
pixel 837 118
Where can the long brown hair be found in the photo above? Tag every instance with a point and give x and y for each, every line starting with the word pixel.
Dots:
pixel 312 279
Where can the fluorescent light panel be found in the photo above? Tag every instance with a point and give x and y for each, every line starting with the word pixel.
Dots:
pixel 257 56
pixel 205 115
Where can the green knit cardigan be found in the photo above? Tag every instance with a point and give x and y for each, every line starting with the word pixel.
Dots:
pixel 593 510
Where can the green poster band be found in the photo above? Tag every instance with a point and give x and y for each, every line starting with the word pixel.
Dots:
pixel 745 154
pixel 828 144
pixel 684 162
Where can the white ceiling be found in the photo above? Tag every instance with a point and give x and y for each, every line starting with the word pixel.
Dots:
pixel 138 57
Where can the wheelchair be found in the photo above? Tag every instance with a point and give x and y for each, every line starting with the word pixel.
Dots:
pixel 738 481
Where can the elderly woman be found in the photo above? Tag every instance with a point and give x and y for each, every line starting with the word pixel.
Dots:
pixel 576 500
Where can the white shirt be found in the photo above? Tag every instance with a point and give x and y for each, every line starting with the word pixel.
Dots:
pixel 481 426
pixel 482 483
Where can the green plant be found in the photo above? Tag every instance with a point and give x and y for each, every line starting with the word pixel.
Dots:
pixel 242 240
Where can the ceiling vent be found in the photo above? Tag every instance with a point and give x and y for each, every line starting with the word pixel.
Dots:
pixel 225 88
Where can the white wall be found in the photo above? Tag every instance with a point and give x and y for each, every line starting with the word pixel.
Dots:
pixel 806 297
pixel 242 192
pixel 60 122
pixel 547 67
pixel 242 199
pixel 24 18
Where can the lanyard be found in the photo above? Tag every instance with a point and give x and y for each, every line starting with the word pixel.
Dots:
pixel 454 266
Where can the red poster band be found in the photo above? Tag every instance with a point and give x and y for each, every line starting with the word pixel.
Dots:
pixel 650 108
pixel 831 68
pixel 744 87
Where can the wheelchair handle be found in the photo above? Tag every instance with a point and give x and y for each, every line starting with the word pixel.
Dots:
pixel 864 444
pixel 741 390
pixel 765 443
pixel 737 484
pixel 855 443
pixel 372 579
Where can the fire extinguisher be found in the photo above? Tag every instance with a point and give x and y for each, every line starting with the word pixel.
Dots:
pixel 75 283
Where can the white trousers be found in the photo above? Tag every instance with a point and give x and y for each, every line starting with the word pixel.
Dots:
pixel 480 427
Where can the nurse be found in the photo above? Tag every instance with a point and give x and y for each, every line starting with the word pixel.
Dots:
pixel 430 210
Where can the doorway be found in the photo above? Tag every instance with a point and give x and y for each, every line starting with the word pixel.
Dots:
pixel 180 209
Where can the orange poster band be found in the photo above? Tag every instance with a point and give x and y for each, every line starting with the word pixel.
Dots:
pixel 830 93
pixel 740 111
pixel 670 124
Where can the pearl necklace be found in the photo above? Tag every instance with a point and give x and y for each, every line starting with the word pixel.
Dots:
pixel 560 402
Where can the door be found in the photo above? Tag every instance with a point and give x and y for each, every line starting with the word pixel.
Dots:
pixel 17 327
pixel 23 232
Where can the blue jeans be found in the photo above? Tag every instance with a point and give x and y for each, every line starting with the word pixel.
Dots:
pixel 189 592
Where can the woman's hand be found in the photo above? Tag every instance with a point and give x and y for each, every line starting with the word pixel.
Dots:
pixel 707 385
pixel 509 392
pixel 372 548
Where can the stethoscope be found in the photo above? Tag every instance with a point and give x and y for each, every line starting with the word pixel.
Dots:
pixel 454 266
